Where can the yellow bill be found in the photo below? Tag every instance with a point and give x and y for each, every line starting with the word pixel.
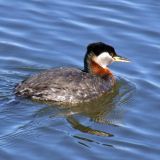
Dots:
pixel 120 59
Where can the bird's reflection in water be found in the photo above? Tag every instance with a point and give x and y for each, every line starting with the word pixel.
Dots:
pixel 100 109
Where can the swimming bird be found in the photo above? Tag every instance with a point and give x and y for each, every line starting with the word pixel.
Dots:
pixel 68 85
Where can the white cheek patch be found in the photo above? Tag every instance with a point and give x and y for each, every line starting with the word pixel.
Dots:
pixel 104 59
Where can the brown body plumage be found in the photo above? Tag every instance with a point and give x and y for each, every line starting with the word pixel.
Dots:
pixel 71 85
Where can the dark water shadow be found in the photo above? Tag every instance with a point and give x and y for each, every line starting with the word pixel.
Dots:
pixel 99 110
pixel 103 109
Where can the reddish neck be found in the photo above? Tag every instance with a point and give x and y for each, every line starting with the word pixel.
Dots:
pixel 105 73
pixel 98 70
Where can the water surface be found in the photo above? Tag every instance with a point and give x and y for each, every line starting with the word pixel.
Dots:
pixel 37 35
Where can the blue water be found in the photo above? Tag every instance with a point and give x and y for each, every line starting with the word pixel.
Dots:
pixel 37 35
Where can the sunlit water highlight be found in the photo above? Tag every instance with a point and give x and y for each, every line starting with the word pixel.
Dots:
pixel 37 35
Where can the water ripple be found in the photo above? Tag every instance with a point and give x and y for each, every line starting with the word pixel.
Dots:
pixel 36 35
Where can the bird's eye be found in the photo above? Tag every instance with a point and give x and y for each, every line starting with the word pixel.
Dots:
pixel 111 54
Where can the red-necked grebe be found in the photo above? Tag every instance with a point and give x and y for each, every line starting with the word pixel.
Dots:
pixel 72 85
